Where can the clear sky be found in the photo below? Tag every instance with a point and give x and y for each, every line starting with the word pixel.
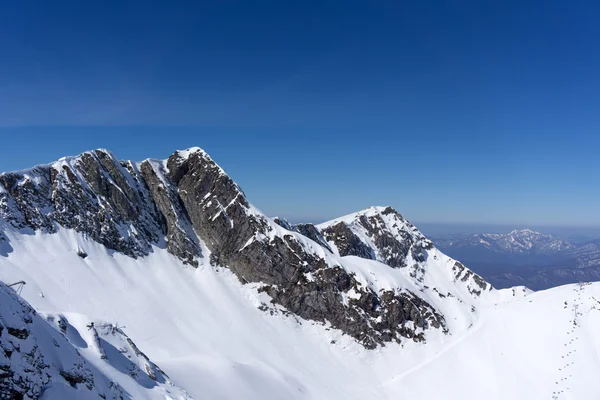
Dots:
pixel 450 111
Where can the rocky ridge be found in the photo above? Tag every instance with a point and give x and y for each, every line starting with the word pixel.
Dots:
pixel 189 205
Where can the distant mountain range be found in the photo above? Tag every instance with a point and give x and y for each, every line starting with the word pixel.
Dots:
pixel 525 257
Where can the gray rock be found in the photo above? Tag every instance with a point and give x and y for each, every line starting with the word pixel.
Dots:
pixel 347 243
pixel 181 239
pixel 311 232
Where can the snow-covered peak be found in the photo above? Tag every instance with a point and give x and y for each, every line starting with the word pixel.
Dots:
pixel 530 241
pixel 382 234
pixel 182 156
pixel 523 232
pixel 350 218
pixel 369 225
pixel 192 150
pixel 106 248
pixel 66 160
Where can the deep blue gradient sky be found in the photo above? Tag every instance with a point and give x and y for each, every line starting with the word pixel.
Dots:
pixel 451 111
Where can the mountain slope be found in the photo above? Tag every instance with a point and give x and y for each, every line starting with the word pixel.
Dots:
pixel 214 336
pixel 542 346
pixel 38 361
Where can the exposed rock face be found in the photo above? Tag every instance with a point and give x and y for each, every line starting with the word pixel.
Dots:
pixel 347 243
pixel 92 194
pixel 189 204
pixel 283 223
pixel 181 240
pixel 308 230
pixel 372 318
pixel 465 275
pixel 311 232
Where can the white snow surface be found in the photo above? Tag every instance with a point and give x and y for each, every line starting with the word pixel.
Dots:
pixel 204 329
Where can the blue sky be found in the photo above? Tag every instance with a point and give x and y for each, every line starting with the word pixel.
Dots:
pixel 452 112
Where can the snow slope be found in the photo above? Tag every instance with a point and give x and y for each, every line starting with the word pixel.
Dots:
pixel 200 325
pixel 37 361
pixel 206 331
pixel 542 346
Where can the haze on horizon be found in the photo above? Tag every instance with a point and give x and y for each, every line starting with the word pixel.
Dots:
pixel 479 114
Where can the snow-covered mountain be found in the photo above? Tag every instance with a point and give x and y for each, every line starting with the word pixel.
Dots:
pixel 171 255
pixel 525 257
pixel 522 241
pixel 188 205
pixel 586 254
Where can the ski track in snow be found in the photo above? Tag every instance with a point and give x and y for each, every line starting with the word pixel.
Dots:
pixel 472 330
pixel 568 358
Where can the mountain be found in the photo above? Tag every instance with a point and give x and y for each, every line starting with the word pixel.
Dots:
pixel 171 255
pixel 525 257
pixel 517 245
pixel 188 205
pixel 585 255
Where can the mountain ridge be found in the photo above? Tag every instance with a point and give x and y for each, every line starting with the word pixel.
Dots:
pixel 235 305
pixel 190 206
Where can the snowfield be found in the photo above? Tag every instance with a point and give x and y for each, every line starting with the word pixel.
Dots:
pixel 205 330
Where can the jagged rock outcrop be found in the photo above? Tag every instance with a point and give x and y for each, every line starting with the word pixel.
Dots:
pixel 181 239
pixel 311 232
pixel 347 242
pixel 370 317
pixel 93 194
pixel 388 244
pixel 188 204
pixel 308 230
